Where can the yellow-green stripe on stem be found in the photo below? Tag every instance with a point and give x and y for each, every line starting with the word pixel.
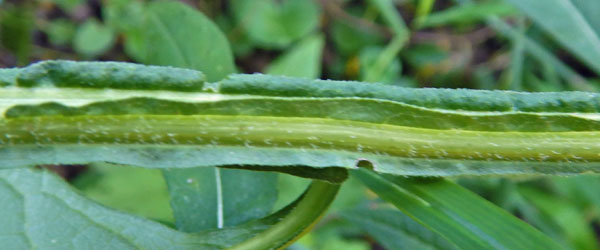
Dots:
pixel 303 133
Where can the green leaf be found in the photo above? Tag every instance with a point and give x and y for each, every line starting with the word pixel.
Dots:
pixel 166 43
pixel 349 39
pixel 335 234
pixel 113 186
pixel 276 24
pixel 42 211
pixel 589 10
pixel 425 55
pixel 329 174
pixel 16 30
pixel 93 38
pixel 205 198
pixel 127 17
pixel 302 60
pixel 66 5
pixel 515 71
pixel 466 14
pixel 352 193
pixel 8 77
pixel 424 8
pixel 377 70
pixel 215 198
pixel 386 72
pixel 580 188
pixel 461 217
pixel 61 31
pixel 123 15
pixel 392 18
pixel 394 230
pixel 60 112
pixel 281 228
pixel 113 75
pixel 574 229
pixel 300 122
pixel 576 30
pixel 343 244
pixel 289 187
pixel 542 55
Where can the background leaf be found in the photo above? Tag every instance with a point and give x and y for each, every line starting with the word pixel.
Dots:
pixel 16 30
pixel 350 39
pixel 385 62
pixel 167 43
pixel 466 13
pixel 111 185
pixel 93 38
pixel 42 211
pixel 394 230
pixel 573 229
pixel 581 188
pixel 463 218
pixel 61 32
pixel 302 60
pixel 128 17
pixel 59 218
pixel 276 24
pixel 572 24
pixel 66 5
pixel 207 198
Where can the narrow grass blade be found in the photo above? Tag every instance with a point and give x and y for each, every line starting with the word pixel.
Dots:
pixel 463 218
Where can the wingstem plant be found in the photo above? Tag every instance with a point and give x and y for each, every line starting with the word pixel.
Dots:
pixel 62 112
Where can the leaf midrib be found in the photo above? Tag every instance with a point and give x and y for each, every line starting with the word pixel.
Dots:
pixel 302 133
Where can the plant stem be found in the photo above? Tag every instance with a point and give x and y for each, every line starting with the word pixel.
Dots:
pixel 307 213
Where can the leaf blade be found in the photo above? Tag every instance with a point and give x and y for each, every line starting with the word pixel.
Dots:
pixel 465 131
pixel 207 49
pixel 395 230
pixel 302 60
pixel 455 213
pixel 49 198
pixel 48 202
pixel 573 25
pixel 196 191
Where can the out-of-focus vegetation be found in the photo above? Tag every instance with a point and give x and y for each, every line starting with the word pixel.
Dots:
pixel 521 45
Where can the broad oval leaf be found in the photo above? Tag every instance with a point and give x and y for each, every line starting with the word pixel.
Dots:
pixel 166 43
pixel 93 38
pixel 276 24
